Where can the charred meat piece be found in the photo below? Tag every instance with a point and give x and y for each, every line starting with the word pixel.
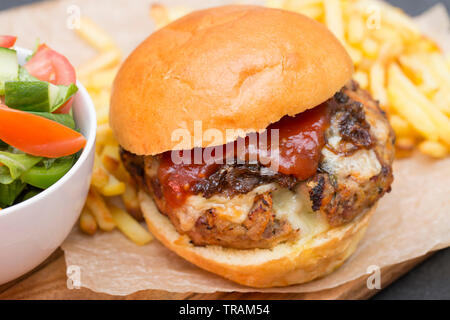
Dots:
pixel 232 179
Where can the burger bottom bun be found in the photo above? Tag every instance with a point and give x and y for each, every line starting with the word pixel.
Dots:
pixel 283 265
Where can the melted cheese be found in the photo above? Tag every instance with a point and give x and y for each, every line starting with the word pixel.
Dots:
pixel 288 205
pixel 362 164
pixel 234 209
pixel 296 208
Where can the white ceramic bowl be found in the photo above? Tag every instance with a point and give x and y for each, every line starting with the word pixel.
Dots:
pixel 30 231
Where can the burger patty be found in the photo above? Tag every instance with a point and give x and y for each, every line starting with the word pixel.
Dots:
pixel 354 172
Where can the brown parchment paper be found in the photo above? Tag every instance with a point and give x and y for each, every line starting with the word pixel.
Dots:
pixel 409 222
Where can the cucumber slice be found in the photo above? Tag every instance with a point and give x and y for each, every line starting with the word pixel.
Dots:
pixel 60 95
pixel 27 95
pixel 9 67
pixel 38 96
pixel 53 95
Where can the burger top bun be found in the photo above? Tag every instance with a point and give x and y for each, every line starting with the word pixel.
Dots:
pixel 230 67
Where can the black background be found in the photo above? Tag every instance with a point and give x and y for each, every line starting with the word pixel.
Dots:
pixel 429 280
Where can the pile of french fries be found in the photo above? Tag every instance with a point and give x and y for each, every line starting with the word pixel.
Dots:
pixel 110 181
pixel 403 69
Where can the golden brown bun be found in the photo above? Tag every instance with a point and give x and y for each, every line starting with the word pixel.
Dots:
pixel 231 67
pixel 283 265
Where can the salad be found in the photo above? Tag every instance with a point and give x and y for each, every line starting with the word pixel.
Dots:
pixel 39 140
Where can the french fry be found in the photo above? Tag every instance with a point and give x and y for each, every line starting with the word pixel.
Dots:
pixel 313 9
pixel 100 79
pixel 438 67
pixel 362 78
pixel 421 45
pixel 419 73
pixel 102 115
pixel 364 64
pixel 377 83
pixel 100 97
pixel 100 177
pixel 113 188
pixel 356 29
pixel 131 201
pixel 94 35
pixel 442 100
pixel 404 147
pixel 334 18
pixel 105 136
pixel 100 211
pixel 159 15
pixel 87 222
pixel 301 6
pixel 384 34
pixel 410 110
pixel 111 160
pixel 440 121
pixel 122 174
pixel 433 149
pixel 103 60
pixel 117 169
pixel 405 143
pixel 109 163
pixel 389 51
pixel 401 127
pixel 355 54
pixel 370 48
pixel 415 69
pixel 111 151
pixel 130 227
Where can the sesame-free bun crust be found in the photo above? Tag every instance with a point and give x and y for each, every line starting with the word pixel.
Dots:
pixel 286 264
pixel 231 67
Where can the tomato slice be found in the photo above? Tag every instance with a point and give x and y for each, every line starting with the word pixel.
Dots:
pixel 40 65
pixel 38 136
pixel 7 41
pixel 51 66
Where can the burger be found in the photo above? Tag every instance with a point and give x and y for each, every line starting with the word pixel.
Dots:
pixel 262 217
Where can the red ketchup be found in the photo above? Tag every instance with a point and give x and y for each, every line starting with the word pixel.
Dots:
pixel 301 139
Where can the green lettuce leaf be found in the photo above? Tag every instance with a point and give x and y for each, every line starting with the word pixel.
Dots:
pixel 9 192
pixel 64 119
pixel 14 164
pixel 24 75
